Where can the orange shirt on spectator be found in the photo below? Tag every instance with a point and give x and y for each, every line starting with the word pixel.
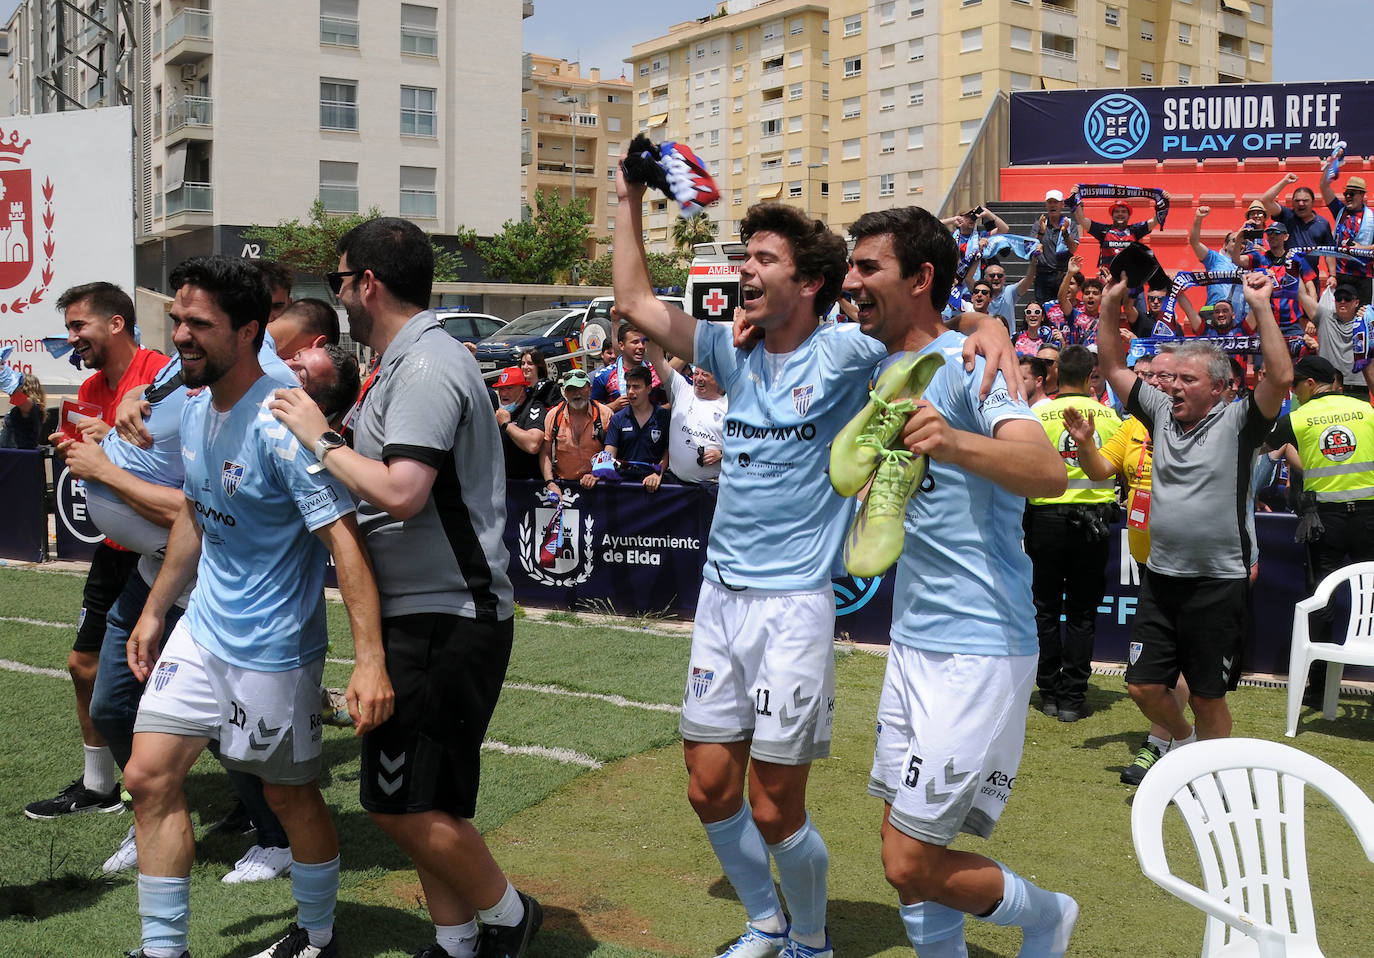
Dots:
pixel 573 448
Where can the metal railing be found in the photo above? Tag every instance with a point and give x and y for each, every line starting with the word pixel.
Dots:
pixel 338 115
pixel 191 198
pixel 419 203
pixel 339 199
pixel 189 23
pixel 339 31
pixel 189 111
pixel 978 177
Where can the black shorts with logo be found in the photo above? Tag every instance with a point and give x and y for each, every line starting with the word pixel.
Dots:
pixel 446 672
pixel 110 571
pixel 1195 626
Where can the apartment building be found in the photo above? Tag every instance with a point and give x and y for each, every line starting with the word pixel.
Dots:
pixel 749 93
pixel 573 131
pixel 896 90
pixel 247 111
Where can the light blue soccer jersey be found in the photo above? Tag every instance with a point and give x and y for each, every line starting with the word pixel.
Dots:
pixel 259 599
pixel 161 464
pixel 963 581
pixel 778 524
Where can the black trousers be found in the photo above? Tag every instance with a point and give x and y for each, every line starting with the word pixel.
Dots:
pixel 1068 580
pixel 1348 536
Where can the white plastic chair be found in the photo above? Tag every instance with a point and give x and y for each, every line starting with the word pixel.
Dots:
pixel 1359 639
pixel 1242 800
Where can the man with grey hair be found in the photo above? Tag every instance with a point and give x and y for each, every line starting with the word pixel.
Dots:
pixel 1195 592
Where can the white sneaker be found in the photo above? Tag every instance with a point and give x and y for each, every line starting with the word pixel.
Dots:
pixel 125 857
pixel 757 944
pixel 259 864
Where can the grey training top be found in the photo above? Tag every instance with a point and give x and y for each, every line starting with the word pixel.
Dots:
pixel 428 403
pixel 1201 522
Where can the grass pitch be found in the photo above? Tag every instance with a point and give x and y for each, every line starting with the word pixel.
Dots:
pixel 583 802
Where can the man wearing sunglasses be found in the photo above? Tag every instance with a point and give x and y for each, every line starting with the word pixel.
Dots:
pixel 1354 231
pixel 1337 316
pixel 1002 301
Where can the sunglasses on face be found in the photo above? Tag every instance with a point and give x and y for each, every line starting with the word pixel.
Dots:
pixel 1344 298
pixel 982 292
pixel 1354 193
pixel 336 278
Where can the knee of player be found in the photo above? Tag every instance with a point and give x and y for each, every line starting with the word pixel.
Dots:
pixel 910 866
pixel 82 666
pixel 148 781
pixel 714 799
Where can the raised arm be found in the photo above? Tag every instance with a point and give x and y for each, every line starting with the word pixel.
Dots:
pixel 1273 389
pixel 1028 280
pixel 1194 317
pixel 1066 302
pixel 1328 194
pixel 1270 197
pixel 669 326
pixel 1111 348
pixel 1195 234
pixel 999 225
pixel 1152 223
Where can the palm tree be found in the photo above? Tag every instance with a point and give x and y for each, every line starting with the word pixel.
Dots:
pixel 691 230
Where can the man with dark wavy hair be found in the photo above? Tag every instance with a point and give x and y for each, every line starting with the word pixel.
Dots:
pixel 760 690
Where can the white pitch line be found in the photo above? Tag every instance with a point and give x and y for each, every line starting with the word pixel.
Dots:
pixel 39 622
pixel 33 670
pixel 564 755
pixel 619 700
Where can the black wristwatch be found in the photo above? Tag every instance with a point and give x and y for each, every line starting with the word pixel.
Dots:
pixel 505 425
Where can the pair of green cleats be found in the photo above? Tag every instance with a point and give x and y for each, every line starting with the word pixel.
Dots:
pixel 869 446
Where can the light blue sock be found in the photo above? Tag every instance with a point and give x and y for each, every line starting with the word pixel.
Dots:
pixel 935 930
pixel 1046 917
pixel 744 858
pixel 802 866
pixel 316 889
pixel 164 904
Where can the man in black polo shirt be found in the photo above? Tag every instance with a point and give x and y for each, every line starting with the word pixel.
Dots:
pixel 520 418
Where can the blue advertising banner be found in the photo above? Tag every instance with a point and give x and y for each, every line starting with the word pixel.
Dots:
pixel 77 535
pixel 621 549
pixel 24 533
pixel 1234 120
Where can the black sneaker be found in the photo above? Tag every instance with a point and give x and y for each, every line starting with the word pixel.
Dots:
pixel 1134 773
pixel 511 941
pixel 296 944
pixel 237 822
pixel 432 951
pixel 75 799
pixel 139 954
pixel 1049 706
pixel 1069 715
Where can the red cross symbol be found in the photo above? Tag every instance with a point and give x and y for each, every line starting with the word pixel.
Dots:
pixel 715 301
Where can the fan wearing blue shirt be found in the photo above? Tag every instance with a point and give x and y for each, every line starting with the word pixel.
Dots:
pixel 244 663
pixel 951 716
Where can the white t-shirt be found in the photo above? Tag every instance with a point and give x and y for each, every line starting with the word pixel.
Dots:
pixel 695 422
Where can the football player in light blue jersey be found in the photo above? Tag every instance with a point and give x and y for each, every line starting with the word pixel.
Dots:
pixel 951 718
pixel 243 665
pixel 759 700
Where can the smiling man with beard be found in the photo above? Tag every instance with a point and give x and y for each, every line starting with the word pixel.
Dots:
pixel 100 326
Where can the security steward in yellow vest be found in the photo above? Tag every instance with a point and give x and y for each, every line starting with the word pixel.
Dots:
pixel 1334 436
pixel 1068 540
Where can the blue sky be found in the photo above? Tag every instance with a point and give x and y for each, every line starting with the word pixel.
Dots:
pixel 1315 40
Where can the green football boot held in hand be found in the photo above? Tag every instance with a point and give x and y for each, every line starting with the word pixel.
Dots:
pixel 864 449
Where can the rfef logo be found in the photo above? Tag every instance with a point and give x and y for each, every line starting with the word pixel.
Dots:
pixel 1116 126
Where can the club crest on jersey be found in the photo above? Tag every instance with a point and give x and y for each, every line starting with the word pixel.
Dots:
pixel 231 476
pixel 1136 648
pixel 701 680
pixel 166 671
pixel 801 398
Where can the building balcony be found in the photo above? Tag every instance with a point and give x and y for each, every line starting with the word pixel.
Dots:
pixel 190 119
pixel 1232 63
pixel 187 37
pixel 526 9
pixel 527 73
pixel 1233 23
pixel 190 206
pixel 1058 20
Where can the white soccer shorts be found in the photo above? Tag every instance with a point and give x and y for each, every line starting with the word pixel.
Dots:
pixel 950 731
pixel 762 670
pixel 267 723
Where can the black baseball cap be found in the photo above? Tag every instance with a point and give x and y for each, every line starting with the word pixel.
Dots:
pixel 1315 368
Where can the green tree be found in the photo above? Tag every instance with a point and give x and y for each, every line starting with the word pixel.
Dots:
pixel 551 239
pixel 309 247
pixel 688 231
pixel 665 270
